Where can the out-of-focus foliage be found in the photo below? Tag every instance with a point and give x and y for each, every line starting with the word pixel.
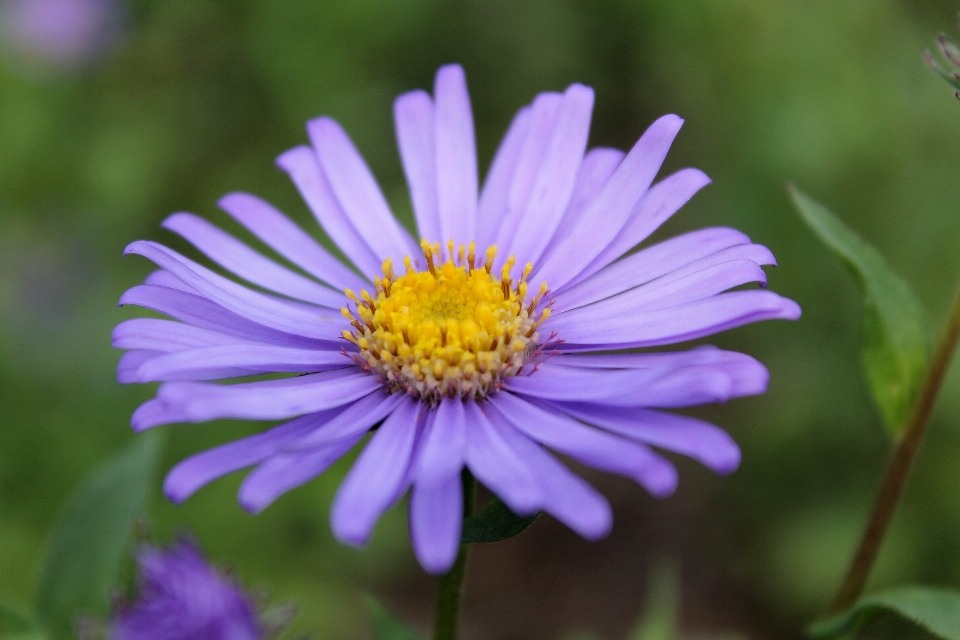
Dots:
pixel 895 339
pixel 934 610
pixel 197 97
pixel 495 522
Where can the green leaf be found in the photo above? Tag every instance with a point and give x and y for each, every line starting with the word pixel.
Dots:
pixel 936 610
pixel 896 342
pixel 16 625
pixel 385 626
pixel 88 546
pixel 662 611
pixel 494 522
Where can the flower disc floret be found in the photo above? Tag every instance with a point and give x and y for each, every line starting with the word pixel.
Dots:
pixel 452 329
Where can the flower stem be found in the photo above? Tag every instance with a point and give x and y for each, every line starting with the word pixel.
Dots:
pixel 450 586
pixel 900 464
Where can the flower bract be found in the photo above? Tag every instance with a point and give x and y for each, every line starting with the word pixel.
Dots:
pixel 507 328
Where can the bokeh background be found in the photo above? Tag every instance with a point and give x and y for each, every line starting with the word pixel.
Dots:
pixel 131 110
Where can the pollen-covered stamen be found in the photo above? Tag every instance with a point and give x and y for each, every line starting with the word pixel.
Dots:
pixel 451 329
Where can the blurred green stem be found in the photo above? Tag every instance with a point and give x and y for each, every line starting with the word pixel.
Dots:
pixel 900 464
pixel 446 617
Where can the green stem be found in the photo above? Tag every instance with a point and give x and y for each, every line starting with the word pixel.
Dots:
pixel 450 586
pixel 900 464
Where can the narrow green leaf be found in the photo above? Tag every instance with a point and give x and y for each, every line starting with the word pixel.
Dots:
pixel 661 614
pixel 385 626
pixel 936 610
pixel 494 522
pixel 16 625
pixel 89 544
pixel 896 342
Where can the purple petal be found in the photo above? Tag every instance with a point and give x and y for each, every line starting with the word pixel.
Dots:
pixel 700 355
pixel 268 399
pixel 610 210
pixel 442 451
pixel 237 257
pixel 355 419
pixel 543 117
pixel 697 439
pixel 456 154
pixel 567 497
pixel 256 306
pixel 594 172
pixel 555 179
pixel 588 331
pixel 163 278
pixel 155 412
pixel 188 476
pixel 592 447
pixel 413 116
pixel 689 251
pixel 496 188
pixel 165 335
pixel 287 471
pixel 357 191
pixel 552 382
pixel 377 477
pixel 303 167
pixel 436 516
pixel 283 236
pixel 206 314
pixel 130 362
pixel 498 465
pixel 258 358
pixel 656 206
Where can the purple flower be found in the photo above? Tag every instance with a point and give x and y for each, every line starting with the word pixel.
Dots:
pixel 183 598
pixel 455 347
pixel 59 33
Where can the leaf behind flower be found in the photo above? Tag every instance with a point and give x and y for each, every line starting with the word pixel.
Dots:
pixel 494 522
pixel 896 343
pixel 385 626
pixel 936 610
pixel 16 625
pixel 90 541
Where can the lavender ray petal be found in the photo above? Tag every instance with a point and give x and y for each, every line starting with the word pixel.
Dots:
pixel 543 116
pixel 377 477
pixel 496 187
pixel 303 167
pixel 567 497
pixel 130 362
pixel 163 278
pixel 155 412
pixel 594 172
pixel 355 419
pixel 552 382
pixel 659 203
pixel 190 475
pixel 200 312
pixel 442 451
pixel 698 247
pixel 413 116
pixel 271 312
pixel 699 355
pixel 268 399
pixel 436 516
pixel 253 267
pixel 254 358
pixel 611 209
pixel 286 471
pixel 700 440
pixel 357 191
pixel 279 233
pixel 166 335
pixel 592 331
pixel 593 447
pixel 554 183
pixel 498 465
pixel 456 156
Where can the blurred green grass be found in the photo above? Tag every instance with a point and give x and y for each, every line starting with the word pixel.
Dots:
pixel 201 95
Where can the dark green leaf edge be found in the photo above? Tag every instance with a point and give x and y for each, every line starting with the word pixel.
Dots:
pixel 495 522
pixel 896 342
pixel 385 626
pixel 935 610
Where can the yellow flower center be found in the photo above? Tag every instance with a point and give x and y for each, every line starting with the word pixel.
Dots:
pixel 453 329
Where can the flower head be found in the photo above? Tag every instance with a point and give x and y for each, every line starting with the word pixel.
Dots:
pixel 183 598
pixel 479 346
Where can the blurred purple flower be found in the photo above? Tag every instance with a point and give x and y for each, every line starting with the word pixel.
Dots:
pixel 182 597
pixel 62 34
pixel 456 360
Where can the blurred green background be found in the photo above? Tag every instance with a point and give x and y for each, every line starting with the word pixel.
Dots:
pixel 196 97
